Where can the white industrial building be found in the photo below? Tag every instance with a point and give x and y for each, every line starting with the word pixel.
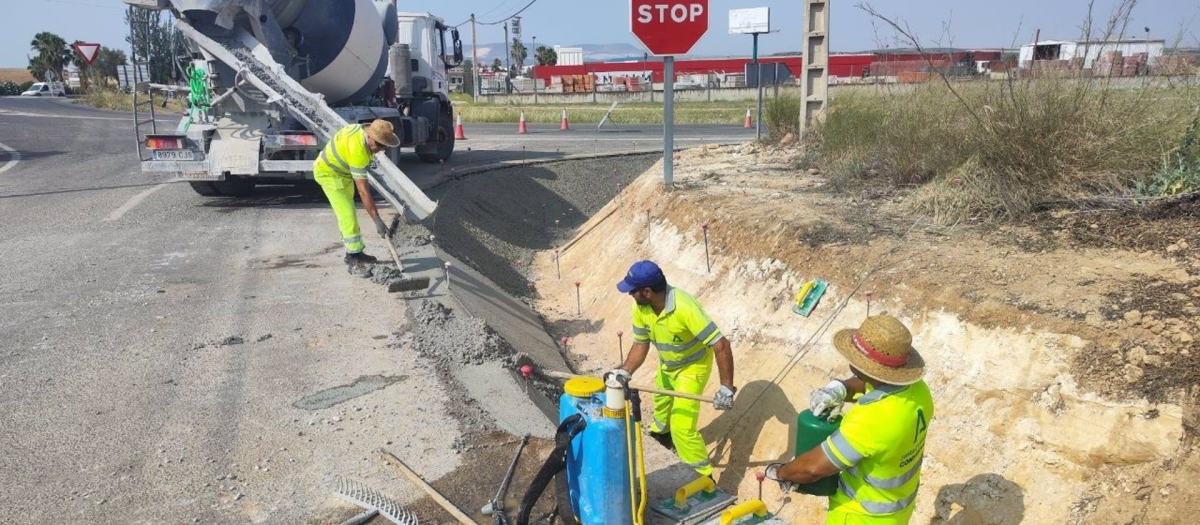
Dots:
pixel 569 56
pixel 1090 51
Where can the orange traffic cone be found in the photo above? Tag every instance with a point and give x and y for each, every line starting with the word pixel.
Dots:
pixel 564 126
pixel 521 125
pixel 749 121
pixel 458 129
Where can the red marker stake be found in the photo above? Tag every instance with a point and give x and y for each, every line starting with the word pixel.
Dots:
pixel 760 476
pixel 706 259
pixel 526 371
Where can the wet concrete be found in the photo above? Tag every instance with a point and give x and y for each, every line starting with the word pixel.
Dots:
pixel 340 394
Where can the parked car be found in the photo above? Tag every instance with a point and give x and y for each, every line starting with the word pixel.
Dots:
pixel 45 89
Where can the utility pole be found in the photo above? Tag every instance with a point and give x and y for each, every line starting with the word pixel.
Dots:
pixel 533 70
pixel 474 63
pixel 668 120
pixel 758 82
pixel 814 69
pixel 507 63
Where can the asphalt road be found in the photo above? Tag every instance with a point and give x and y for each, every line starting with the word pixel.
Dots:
pixel 157 344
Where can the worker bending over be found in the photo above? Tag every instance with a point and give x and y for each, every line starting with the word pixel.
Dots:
pixel 686 340
pixel 878 449
pixel 341 168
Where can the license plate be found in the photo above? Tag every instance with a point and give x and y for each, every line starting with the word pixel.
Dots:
pixel 174 154
pixel 195 175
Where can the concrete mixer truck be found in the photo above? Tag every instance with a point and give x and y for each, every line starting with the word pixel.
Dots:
pixel 271 80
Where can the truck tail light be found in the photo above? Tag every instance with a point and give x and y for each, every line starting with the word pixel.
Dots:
pixel 164 142
pixel 291 141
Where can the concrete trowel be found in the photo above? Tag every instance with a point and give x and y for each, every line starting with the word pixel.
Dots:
pixel 404 284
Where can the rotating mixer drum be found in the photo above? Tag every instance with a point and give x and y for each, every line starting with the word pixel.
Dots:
pixel 341 45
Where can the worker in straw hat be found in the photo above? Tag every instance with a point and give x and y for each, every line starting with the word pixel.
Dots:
pixel 341 168
pixel 878 449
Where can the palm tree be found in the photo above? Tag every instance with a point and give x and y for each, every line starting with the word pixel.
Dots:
pixel 53 52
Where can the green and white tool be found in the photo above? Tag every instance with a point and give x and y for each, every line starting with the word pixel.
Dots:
pixel 810 294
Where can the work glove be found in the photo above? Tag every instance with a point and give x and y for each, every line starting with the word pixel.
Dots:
pixel 772 473
pixel 724 398
pixel 827 400
pixel 617 378
pixel 381 227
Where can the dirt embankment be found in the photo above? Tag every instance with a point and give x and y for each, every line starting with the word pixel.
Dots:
pixel 1062 351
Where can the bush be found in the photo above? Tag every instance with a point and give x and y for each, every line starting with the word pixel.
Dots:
pixel 9 88
pixel 998 149
pixel 782 116
pixel 25 85
pixel 1181 173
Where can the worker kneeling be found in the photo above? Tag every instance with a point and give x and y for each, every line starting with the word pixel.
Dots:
pixel 878 449
pixel 341 168
pixel 687 341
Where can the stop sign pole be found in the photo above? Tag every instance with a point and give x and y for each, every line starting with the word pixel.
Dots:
pixel 668 28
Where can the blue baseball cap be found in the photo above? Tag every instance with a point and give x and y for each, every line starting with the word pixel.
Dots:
pixel 641 275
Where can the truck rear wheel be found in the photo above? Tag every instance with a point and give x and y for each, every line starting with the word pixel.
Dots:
pixel 443 148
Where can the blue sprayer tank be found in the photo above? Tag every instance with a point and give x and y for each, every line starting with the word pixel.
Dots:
pixel 598 459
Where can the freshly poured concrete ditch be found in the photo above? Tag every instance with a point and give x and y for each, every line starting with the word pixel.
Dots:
pixel 1012 323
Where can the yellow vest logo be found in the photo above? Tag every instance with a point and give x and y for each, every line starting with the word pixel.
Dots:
pixel 677 340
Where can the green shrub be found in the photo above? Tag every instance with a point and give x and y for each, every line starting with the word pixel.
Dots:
pixel 782 116
pixel 25 85
pixel 1181 173
pixel 997 149
pixel 9 88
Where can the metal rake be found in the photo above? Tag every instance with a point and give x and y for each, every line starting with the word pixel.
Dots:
pixel 371 499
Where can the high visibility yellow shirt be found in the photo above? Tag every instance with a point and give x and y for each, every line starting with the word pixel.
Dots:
pixel 879 448
pixel 682 333
pixel 346 153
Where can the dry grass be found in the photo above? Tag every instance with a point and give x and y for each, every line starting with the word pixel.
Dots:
pixel 998 149
pixel 633 113
pixel 14 74
pixel 118 101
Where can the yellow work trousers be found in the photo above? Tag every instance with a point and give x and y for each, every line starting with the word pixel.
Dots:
pixel 839 516
pixel 339 189
pixel 682 416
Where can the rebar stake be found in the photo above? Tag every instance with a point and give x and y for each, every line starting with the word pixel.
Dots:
pixel 621 345
pixel 706 259
pixel 447 269
pixel 870 293
pixel 557 266
pixel 760 476
pixel 527 370
pixel 578 300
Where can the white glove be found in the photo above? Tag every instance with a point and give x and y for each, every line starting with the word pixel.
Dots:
pixel 773 474
pixel 615 377
pixel 724 398
pixel 827 400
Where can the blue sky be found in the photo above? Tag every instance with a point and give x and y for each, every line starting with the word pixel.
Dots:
pixel 973 23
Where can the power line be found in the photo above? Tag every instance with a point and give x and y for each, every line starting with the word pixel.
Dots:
pixel 501 21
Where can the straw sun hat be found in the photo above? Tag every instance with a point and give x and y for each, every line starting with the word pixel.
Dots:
pixel 881 348
pixel 381 131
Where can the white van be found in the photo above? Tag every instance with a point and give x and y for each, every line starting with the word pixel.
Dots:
pixel 45 89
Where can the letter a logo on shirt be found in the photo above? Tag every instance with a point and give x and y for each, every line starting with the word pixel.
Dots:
pixel 677 340
pixel 921 424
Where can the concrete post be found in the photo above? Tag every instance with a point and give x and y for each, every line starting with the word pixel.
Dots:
pixel 814 71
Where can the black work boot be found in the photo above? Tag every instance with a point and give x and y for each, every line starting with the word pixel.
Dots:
pixel 664 439
pixel 360 258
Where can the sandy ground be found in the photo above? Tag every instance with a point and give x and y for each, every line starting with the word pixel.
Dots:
pixel 1061 351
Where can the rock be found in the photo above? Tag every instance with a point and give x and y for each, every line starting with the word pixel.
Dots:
pixel 1172 248
pixel 1136 355
pixel 1182 244
pixel 1184 337
pixel 1094 320
pixel 1133 373
pixel 1133 317
pixel 1181 276
pixel 814 171
pixel 1153 360
pixel 787 139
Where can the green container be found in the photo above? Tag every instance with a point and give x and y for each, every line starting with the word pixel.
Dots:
pixel 810 432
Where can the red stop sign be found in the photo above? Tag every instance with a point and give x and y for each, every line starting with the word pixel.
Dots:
pixel 668 27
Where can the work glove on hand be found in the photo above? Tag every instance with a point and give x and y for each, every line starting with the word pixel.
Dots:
pixel 828 399
pixel 617 377
pixel 773 474
pixel 724 398
pixel 381 227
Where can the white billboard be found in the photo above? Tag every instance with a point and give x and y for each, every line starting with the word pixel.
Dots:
pixel 750 21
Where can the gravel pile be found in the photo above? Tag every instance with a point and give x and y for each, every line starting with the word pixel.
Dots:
pixel 440 333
